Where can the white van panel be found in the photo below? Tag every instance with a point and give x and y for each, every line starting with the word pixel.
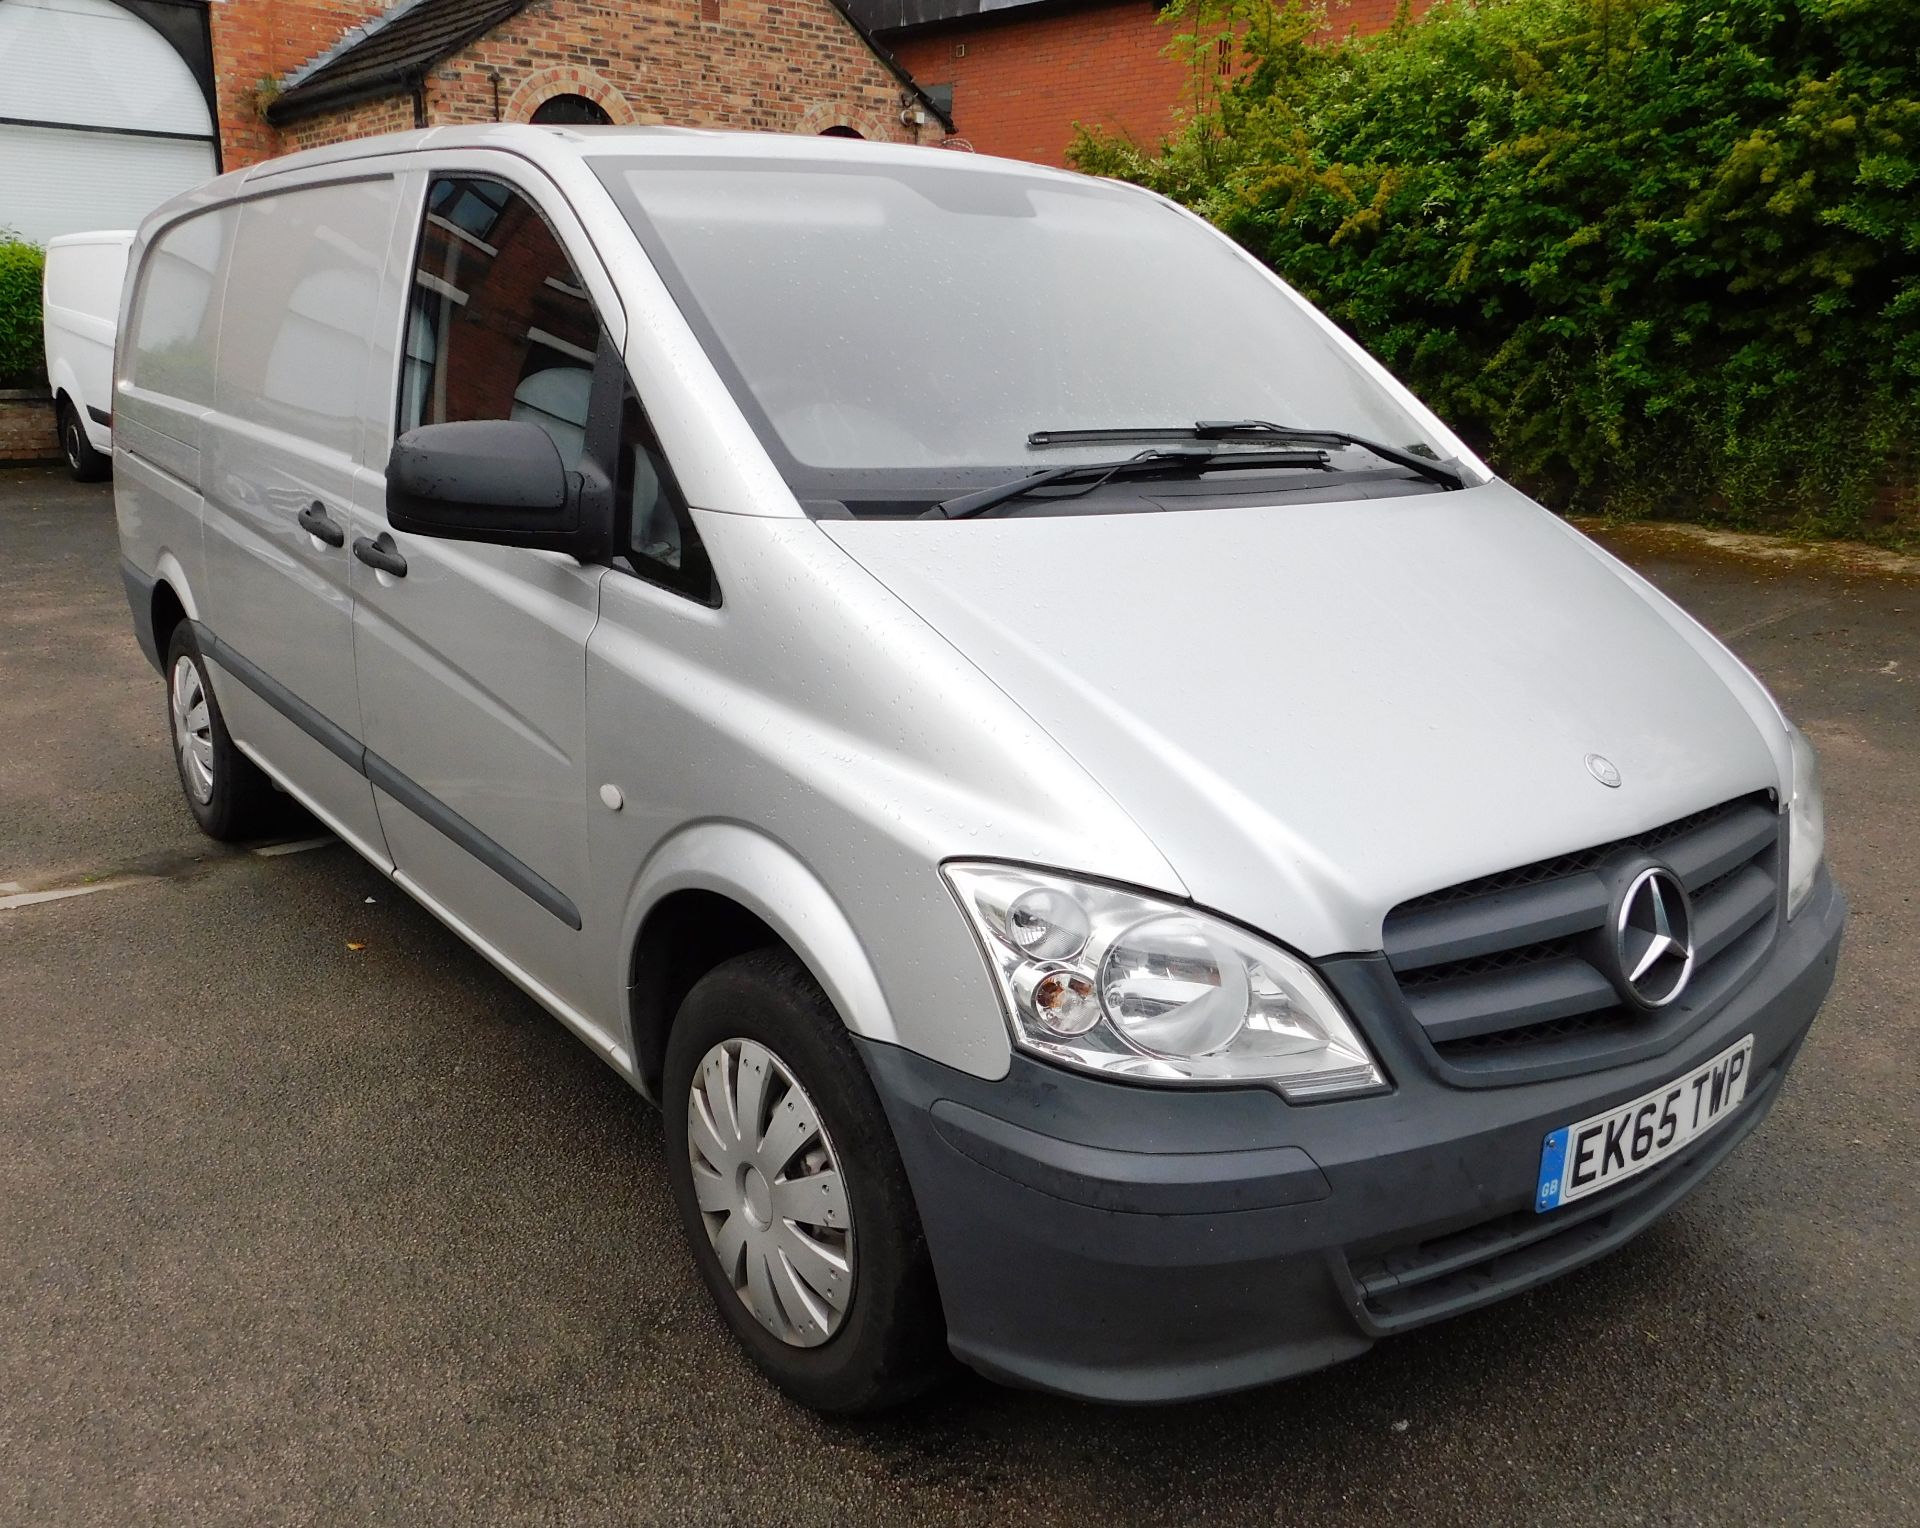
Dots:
pixel 84 272
pixel 80 305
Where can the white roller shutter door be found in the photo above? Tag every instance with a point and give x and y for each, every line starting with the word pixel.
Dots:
pixel 103 120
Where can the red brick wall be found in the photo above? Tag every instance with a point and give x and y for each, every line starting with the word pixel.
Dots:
pixel 784 66
pixel 256 40
pixel 388 114
pixel 26 428
pixel 1021 81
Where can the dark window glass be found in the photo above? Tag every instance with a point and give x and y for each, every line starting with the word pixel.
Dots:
pixel 570 111
pixel 499 326
pixel 661 541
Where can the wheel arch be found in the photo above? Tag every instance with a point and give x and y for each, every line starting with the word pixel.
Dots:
pixel 168 611
pixel 718 889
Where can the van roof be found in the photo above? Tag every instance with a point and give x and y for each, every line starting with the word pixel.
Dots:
pixel 546 144
pixel 92 236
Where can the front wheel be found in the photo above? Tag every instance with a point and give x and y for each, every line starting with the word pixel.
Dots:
pixel 85 464
pixel 792 1193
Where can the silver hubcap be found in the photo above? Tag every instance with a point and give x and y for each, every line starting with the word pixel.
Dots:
pixel 192 729
pixel 770 1192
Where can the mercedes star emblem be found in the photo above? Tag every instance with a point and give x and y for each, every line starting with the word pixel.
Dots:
pixel 1653 938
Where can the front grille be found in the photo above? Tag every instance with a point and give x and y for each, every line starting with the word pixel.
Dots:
pixel 1407 1285
pixel 1495 970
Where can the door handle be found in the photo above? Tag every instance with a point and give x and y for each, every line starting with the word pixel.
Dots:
pixel 315 521
pixel 380 553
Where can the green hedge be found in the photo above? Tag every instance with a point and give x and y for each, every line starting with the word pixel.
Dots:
pixel 22 361
pixel 1654 256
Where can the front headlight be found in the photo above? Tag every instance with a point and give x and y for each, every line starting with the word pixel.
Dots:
pixel 1117 982
pixel 1806 823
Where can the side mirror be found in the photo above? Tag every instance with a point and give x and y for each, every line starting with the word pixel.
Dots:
pixel 500 481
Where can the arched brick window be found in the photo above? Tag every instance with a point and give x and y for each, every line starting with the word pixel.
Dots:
pixel 570 111
pixel 569 84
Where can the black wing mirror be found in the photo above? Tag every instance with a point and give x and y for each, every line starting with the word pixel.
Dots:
pixel 500 481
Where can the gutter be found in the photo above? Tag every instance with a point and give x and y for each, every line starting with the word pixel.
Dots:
pixel 893 65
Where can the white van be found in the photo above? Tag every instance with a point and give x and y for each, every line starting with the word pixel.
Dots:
pixel 1121 850
pixel 80 306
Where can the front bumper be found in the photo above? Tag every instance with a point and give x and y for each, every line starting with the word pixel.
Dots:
pixel 1130 1243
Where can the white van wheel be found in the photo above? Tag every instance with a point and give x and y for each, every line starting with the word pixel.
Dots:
pixel 85 464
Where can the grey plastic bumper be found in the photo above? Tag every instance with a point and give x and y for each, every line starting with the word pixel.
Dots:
pixel 1130 1243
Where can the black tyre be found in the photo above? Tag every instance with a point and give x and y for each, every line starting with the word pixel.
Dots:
pixel 226 791
pixel 792 1194
pixel 86 464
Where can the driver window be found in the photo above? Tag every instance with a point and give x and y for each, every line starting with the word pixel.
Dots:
pixel 499 326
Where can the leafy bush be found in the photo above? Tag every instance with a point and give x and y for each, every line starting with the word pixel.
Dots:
pixel 1651 255
pixel 21 361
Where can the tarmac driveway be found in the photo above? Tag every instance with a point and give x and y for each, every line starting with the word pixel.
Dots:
pixel 306 1214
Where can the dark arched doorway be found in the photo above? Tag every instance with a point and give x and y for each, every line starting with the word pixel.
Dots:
pixel 570 111
pixel 841 131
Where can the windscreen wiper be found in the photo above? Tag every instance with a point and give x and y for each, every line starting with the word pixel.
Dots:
pixel 1161 463
pixel 1446 474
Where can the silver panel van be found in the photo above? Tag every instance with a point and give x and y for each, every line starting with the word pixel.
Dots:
pixel 1123 852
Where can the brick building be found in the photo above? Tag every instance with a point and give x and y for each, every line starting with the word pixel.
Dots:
pixel 1022 73
pixel 296 73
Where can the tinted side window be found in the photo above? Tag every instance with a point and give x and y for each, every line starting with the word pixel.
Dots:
pixel 499 326
pixel 177 322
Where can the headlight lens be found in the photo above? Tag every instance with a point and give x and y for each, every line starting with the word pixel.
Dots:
pixel 1117 982
pixel 1806 823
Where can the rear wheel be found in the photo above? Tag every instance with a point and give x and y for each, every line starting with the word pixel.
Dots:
pixel 792 1193
pixel 83 462
pixel 226 791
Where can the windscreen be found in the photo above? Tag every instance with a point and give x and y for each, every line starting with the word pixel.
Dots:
pixel 929 318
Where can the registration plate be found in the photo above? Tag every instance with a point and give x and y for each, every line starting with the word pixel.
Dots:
pixel 1581 1159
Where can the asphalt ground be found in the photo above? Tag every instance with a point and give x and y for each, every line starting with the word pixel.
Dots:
pixel 292 1230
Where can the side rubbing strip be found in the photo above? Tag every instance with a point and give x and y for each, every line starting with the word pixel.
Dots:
pixel 343 745
pixel 99 416
pixel 432 810
pixel 428 807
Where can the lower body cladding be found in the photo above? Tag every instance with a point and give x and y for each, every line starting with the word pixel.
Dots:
pixel 1139 1244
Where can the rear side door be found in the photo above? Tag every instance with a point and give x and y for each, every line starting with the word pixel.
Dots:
pixel 471 658
pixel 82 299
pixel 304 300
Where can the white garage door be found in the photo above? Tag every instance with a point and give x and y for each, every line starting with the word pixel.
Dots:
pixel 100 120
